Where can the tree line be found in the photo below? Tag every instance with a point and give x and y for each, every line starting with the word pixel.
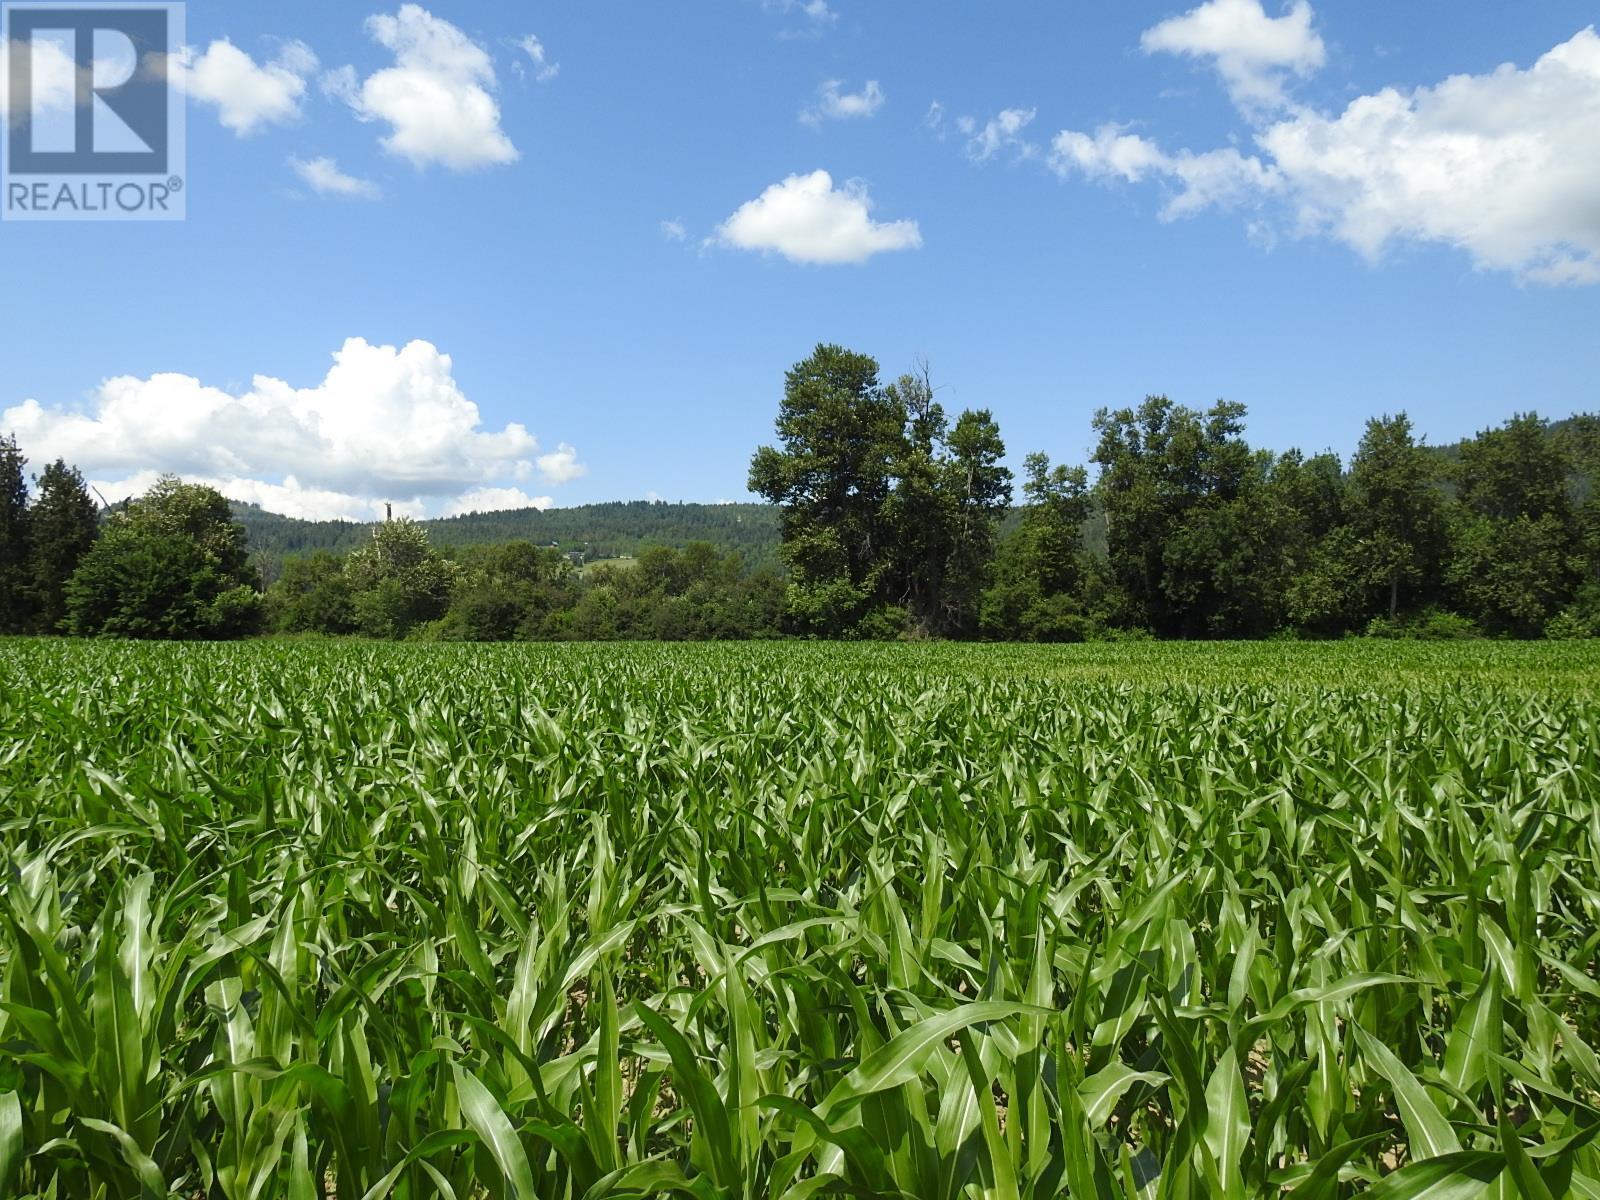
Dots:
pixel 893 519
pixel 897 520
pixel 175 563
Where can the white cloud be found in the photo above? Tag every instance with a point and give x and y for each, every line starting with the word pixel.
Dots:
pixel 385 423
pixel 807 220
pixel 1502 165
pixel 1499 165
pixel 323 175
pixel 1000 133
pixel 1250 49
pixel 290 498
pixel 544 69
pixel 1218 177
pixel 246 94
pixel 54 76
pixel 835 105
pixel 436 98
pixel 495 500
pixel 674 231
pixel 933 119
pixel 561 465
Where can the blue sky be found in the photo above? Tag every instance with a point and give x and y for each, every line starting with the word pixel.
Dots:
pixel 622 246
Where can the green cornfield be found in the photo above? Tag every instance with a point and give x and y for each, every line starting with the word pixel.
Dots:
pixel 344 920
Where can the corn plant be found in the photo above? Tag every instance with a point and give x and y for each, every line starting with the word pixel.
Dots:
pixel 1135 922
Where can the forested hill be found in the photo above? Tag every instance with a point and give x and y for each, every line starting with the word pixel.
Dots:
pixel 602 530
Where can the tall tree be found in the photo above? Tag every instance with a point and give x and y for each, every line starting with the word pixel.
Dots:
pixel 1322 592
pixel 15 600
pixel 944 513
pixel 839 435
pixel 173 564
pixel 888 512
pixel 399 579
pixel 1521 469
pixel 1396 514
pixel 1193 542
pixel 1515 557
pixel 978 488
pixel 65 521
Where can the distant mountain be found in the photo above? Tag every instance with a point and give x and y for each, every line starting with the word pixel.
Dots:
pixel 599 530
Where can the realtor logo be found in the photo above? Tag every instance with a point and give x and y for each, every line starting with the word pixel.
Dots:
pixel 94 121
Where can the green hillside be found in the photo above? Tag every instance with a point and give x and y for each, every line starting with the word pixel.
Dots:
pixel 601 531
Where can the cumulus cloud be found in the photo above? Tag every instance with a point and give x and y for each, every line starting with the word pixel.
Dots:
pixel 1502 165
pixel 544 67
pixel 1003 132
pixel 674 231
pixel 384 424
pixel 495 500
pixel 437 98
pixel 1499 165
pixel 322 175
pixel 834 104
pixel 54 77
pixel 561 465
pixel 246 94
pixel 1250 50
pixel 809 220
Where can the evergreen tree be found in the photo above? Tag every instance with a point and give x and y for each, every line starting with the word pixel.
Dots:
pixel 16 608
pixel 65 521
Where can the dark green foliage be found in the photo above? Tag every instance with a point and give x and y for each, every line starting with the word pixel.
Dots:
pixel 401 587
pixel 64 521
pixel 841 435
pixel 1396 517
pixel 889 514
pixel 1518 470
pixel 1195 541
pixel 312 595
pixel 398 580
pixel 16 608
pixel 1516 555
pixel 1042 568
pixel 144 583
pixel 943 515
pixel 171 565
